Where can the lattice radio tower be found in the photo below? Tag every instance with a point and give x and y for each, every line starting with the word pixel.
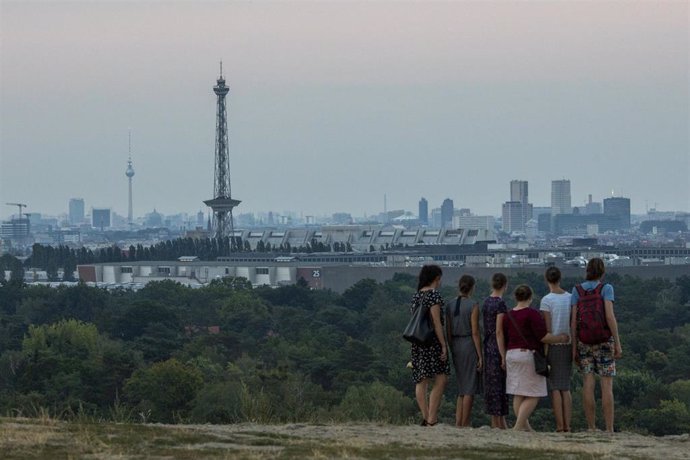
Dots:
pixel 222 202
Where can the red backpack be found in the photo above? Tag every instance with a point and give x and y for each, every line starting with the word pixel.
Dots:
pixel 591 316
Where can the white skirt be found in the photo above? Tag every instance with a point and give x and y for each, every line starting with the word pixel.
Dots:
pixel 521 379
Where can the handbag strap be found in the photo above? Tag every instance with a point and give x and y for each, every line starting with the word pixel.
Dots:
pixel 420 299
pixel 516 327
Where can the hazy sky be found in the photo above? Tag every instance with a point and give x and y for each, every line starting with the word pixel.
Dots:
pixel 333 104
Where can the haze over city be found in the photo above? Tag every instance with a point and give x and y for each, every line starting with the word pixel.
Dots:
pixel 331 106
pixel 228 211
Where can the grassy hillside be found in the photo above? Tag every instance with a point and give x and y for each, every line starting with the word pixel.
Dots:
pixel 50 439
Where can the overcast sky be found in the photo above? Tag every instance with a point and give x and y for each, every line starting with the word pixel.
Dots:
pixel 333 104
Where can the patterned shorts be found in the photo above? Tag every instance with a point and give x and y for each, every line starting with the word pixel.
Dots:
pixel 597 359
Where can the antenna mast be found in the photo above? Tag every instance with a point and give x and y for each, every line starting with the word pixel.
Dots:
pixel 222 203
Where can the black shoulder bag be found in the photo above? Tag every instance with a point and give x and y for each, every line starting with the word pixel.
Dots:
pixel 541 366
pixel 420 329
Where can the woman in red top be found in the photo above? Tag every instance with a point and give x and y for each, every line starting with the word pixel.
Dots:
pixel 517 355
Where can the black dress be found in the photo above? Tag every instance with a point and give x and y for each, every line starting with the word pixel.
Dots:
pixel 426 360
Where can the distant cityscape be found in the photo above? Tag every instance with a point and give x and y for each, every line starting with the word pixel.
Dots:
pixel 524 234
pixel 520 221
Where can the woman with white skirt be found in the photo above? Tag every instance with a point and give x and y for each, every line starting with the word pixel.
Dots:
pixel 525 332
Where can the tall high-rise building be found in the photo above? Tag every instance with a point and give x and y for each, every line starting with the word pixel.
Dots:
pixel 560 197
pixel 76 211
pixel 447 210
pixel 519 192
pixel 130 173
pixel 222 202
pixel 512 217
pixel 423 211
pixel 618 207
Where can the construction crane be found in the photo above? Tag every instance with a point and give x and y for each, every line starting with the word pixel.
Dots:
pixel 19 205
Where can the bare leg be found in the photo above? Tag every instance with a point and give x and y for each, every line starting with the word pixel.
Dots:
pixel 607 402
pixel 467 401
pixel 458 412
pixel 567 409
pixel 588 401
pixel 517 400
pixel 420 393
pixel 557 403
pixel 527 406
pixel 436 396
pixel 498 421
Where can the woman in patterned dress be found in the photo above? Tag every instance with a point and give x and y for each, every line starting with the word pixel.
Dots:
pixel 430 361
pixel 495 397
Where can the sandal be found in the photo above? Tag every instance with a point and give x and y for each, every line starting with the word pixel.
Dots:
pixel 432 424
pixel 424 423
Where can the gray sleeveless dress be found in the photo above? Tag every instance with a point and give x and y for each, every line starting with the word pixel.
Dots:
pixel 459 316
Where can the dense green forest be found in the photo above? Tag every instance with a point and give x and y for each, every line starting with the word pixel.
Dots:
pixel 228 353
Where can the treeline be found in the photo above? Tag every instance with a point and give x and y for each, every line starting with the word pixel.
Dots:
pixel 52 258
pixel 228 353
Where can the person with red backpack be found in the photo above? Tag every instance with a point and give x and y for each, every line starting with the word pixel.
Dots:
pixel 596 343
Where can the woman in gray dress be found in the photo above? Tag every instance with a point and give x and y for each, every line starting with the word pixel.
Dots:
pixel 462 322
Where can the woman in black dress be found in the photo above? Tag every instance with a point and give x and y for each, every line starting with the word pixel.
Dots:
pixel 430 361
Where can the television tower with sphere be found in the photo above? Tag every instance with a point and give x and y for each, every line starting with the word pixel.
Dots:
pixel 222 202
pixel 130 173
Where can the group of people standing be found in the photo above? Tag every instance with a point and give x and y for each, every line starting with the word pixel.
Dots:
pixel 577 327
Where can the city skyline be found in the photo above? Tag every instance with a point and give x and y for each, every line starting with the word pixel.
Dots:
pixel 314 110
pixel 426 206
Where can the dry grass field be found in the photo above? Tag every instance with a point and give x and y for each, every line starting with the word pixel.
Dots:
pixel 50 439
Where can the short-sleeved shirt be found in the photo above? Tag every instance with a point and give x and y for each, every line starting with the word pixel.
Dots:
pixel 606 292
pixel 558 305
pixel 531 325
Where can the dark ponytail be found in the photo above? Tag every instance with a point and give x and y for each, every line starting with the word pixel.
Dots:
pixel 465 284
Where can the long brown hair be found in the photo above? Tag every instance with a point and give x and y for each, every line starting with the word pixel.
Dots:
pixel 427 275
pixel 595 269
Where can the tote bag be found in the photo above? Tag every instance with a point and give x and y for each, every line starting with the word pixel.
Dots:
pixel 420 329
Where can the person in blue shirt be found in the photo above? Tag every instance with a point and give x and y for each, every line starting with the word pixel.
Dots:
pixel 599 359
